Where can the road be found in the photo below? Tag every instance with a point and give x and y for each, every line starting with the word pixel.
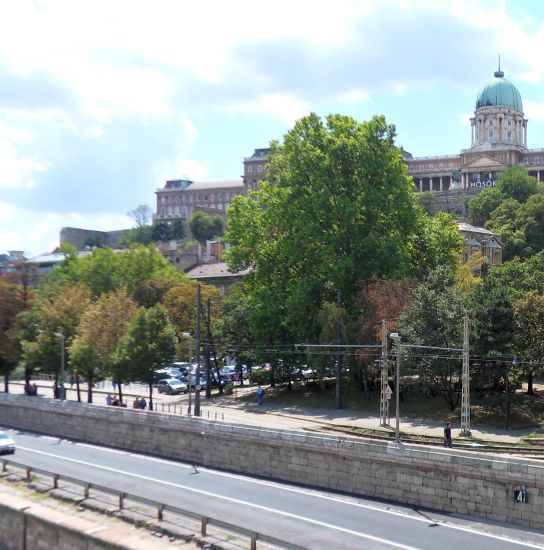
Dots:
pixel 304 516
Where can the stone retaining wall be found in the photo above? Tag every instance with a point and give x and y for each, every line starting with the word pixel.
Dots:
pixel 31 526
pixel 450 480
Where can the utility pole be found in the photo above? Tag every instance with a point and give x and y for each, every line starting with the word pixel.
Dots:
pixel 465 383
pixel 384 401
pixel 208 359
pixel 197 338
pixel 506 390
pixel 338 366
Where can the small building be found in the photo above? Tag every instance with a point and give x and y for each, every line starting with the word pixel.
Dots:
pixel 216 274
pixel 482 242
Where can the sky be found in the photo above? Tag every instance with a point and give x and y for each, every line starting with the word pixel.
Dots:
pixel 102 101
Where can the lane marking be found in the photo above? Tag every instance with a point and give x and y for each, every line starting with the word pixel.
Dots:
pixel 229 499
pixel 306 492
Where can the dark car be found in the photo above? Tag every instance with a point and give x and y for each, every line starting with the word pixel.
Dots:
pixel 172 386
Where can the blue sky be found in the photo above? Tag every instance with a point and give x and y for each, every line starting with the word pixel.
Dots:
pixel 101 102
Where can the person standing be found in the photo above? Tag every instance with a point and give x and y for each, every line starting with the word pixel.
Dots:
pixel 260 395
pixel 447 436
pixel 136 403
pixel 143 404
pixel 109 399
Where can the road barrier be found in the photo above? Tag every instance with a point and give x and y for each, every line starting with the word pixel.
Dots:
pixel 160 508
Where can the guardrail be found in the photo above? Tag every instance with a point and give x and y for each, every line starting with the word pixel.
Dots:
pixel 160 508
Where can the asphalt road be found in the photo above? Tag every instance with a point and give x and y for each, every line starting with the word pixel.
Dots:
pixel 307 517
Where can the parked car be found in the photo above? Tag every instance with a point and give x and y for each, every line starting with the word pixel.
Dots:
pixel 172 386
pixel 192 384
pixel 162 374
pixel 7 445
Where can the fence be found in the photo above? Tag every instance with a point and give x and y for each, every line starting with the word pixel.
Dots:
pixel 160 508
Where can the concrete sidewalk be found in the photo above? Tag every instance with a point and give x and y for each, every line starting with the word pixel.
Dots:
pixel 239 408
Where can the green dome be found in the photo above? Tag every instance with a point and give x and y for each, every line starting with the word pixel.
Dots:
pixel 499 92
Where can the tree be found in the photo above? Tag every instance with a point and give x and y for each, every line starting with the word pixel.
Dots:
pixel 234 328
pixel 204 227
pixel 100 330
pixel 140 215
pixel 516 183
pixel 529 334
pixel 435 318
pixel 104 270
pixel 53 316
pixel 148 345
pixel 338 209
pixel 12 303
pixel 492 327
pixel 482 205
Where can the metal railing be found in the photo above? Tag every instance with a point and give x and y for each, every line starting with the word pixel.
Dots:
pixel 160 508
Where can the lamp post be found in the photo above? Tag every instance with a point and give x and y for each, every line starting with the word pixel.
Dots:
pixel 397 339
pixel 61 336
pixel 190 338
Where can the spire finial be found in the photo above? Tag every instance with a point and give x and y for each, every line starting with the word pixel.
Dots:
pixel 499 73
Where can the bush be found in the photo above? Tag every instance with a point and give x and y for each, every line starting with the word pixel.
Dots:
pixel 260 376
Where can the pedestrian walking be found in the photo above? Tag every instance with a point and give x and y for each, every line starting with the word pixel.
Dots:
pixel 143 404
pixel 447 436
pixel 109 399
pixel 260 395
pixel 136 403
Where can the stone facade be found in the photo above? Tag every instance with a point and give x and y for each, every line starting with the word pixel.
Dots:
pixel 180 198
pixel 451 480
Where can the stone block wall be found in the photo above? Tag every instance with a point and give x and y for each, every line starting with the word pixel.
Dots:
pixel 451 480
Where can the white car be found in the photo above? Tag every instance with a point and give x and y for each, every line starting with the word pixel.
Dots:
pixel 7 445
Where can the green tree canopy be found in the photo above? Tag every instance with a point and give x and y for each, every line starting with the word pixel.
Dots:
pixel 148 345
pixel 434 317
pixel 338 209
pixel 204 227
pixel 516 183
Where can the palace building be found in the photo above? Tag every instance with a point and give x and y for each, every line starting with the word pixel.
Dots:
pixel 498 140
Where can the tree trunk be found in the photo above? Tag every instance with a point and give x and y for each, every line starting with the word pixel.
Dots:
pixel 120 393
pixel 78 388
pixel 6 382
pixel 150 396
pixel 28 372
pixel 530 388
pixel 89 389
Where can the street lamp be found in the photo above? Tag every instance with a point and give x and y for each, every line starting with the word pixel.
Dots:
pixel 61 336
pixel 189 336
pixel 397 339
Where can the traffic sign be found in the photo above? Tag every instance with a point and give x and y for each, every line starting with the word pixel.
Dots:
pixel 388 392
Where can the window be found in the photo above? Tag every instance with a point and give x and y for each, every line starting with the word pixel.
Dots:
pixel 491 123
pixel 249 169
pixel 509 123
pixel 509 135
pixel 490 135
pixel 259 167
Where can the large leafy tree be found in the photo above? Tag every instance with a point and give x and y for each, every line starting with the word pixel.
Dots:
pixel 205 226
pixel 234 329
pixel 12 303
pixel 52 316
pixel 337 210
pixel 492 327
pixel 434 317
pixel 149 344
pixel 529 332
pixel 102 326
pixel 104 270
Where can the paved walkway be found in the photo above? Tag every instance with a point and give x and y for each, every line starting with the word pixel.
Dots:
pixel 246 411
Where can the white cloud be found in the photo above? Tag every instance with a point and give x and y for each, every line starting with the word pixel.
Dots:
pixel 286 108
pixel 17 169
pixel 355 96
pixel 533 111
